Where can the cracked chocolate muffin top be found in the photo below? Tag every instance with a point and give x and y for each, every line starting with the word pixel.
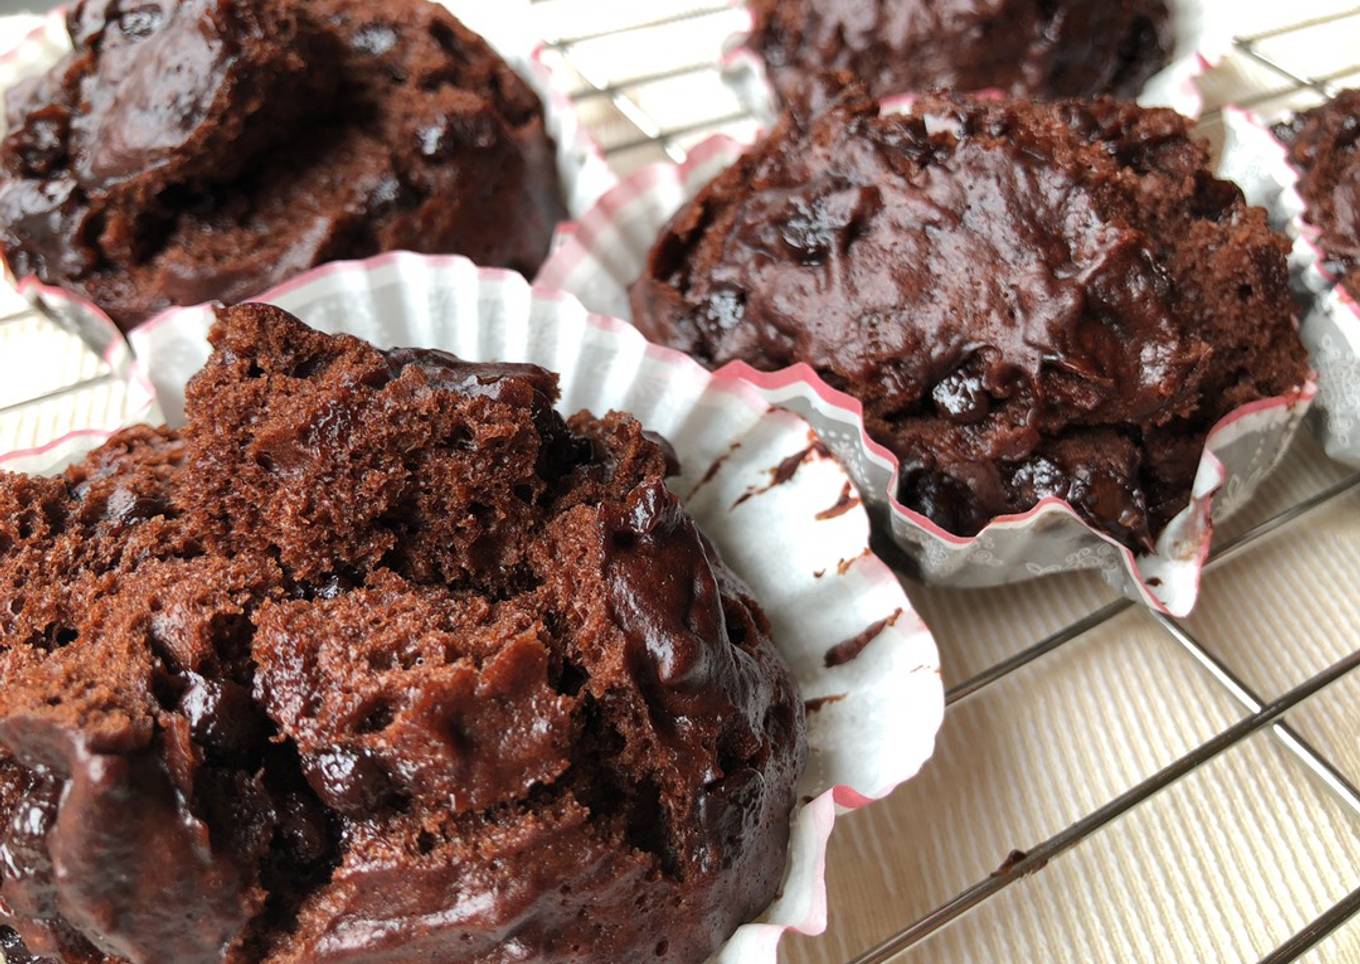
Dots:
pixel 379 659
pixel 1029 300
pixel 197 150
pixel 1037 48
pixel 1324 145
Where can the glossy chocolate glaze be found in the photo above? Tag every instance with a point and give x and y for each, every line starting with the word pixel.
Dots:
pixel 1039 48
pixel 88 819
pixel 378 659
pixel 1029 300
pixel 1324 145
pixel 192 150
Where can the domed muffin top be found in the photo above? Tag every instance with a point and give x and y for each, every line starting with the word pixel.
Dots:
pixel 1029 300
pixel 196 150
pixel 380 659
pixel 1037 48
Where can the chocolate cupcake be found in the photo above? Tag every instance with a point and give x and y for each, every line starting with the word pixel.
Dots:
pixel 1030 301
pixel 1061 48
pixel 379 659
pixel 1324 147
pixel 192 150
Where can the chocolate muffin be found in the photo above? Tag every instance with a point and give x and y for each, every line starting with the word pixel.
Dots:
pixel 379 659
pixel 192 150
pixel 1039 48
pixel 1029 300
pixel 1324 146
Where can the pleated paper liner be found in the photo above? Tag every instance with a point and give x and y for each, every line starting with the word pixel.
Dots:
pixel 601 256
pixel 780 510
pixel 1203 38
pixel 1259 162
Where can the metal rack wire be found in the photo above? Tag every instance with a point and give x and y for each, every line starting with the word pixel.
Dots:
pixel 73 373
pixel 617 102
pixel 652 134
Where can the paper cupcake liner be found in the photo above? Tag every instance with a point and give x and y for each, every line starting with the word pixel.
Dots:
pixel 1203 40
pixel 778 508
pixel 1331 330
pixel 1259 162
pixel 606 252
pixel 33 44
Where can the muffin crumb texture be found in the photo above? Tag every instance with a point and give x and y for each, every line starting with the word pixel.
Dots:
pixel 379 659
pixel 1030 300
pixel 1324 146
pixel 197 150
pixel 1038 48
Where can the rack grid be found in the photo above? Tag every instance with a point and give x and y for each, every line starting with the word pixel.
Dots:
pixel 621 57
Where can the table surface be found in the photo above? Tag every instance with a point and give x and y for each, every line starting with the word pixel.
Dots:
pixel 1224 865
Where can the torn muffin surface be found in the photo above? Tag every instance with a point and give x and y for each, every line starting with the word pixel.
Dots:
pixel 1036 48
pixel 1324 146
pixel 379 659
pixel 206 150
pixel 1029 300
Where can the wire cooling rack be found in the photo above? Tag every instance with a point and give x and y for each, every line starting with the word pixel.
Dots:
pixel 649 85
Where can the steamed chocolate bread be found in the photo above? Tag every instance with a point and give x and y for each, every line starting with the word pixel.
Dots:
pixel 1029 300
pixel 1324 146
pixel 379 660
pixel 197 150
pixel 1036 48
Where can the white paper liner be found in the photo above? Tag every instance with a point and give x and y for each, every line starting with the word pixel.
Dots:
pixel 36 43
pixel 803 551
pixel 606 252
pixel 1203 39
pixel 1258 161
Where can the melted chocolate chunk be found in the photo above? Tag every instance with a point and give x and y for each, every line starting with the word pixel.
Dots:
pixel 349 782
pixel 196 150
pixel 1040 48
pixel 379 659
pixel 222 718
pixel 120 860
pixel 1031 301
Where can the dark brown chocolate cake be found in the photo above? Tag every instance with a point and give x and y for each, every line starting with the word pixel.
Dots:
pixel 379 660
pixel 1029 300
pixel 1324 145
pixel 1039 48
pixel 192 150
